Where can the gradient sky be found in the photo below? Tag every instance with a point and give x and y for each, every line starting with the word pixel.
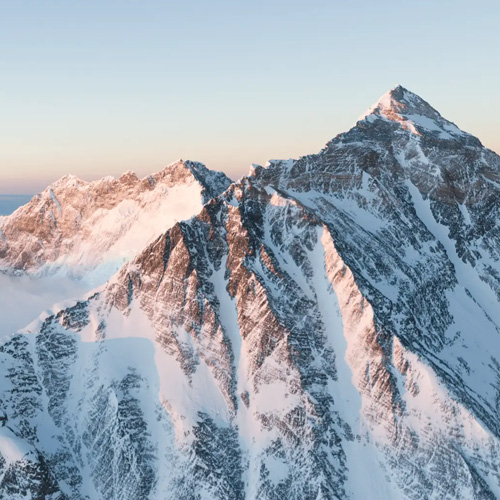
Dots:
pixel 98 87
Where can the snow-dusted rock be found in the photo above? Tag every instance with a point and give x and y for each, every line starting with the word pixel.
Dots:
pixel 326 328
pixel 89 229
pixel 75 235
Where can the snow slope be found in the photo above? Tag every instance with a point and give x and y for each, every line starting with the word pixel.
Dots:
pixel 89 229
pixel 75 235
pixel 325 328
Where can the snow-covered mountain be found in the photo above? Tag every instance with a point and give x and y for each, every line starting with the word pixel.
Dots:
pixel 89 229
pixel 325 328
pixel 75 235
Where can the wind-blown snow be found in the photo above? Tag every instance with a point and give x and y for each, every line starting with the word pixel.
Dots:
pixel 325 328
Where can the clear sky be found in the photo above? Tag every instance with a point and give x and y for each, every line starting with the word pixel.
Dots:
pixel 98 87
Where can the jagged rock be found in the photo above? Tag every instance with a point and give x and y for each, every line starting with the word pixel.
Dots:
pixel 82 227
pixel 325 328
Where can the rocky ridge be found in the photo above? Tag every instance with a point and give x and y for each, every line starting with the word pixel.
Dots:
pixel 325 328
pixel 77 227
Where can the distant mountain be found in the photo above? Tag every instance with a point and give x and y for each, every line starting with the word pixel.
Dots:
pixel 76 227
pixel 325 328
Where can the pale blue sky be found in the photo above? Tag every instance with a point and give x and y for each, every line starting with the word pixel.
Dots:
pixel 98 87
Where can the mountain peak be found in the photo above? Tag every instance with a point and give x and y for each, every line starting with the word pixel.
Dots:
pixel 193 167
pixel 400 101
pixel 65 181
pixel 413 113
pixel 213 182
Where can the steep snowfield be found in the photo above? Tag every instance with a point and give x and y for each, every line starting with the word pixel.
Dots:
pixel 326 328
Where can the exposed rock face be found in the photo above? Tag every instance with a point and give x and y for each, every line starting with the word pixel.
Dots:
pixel 326 328
pixel 79 227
